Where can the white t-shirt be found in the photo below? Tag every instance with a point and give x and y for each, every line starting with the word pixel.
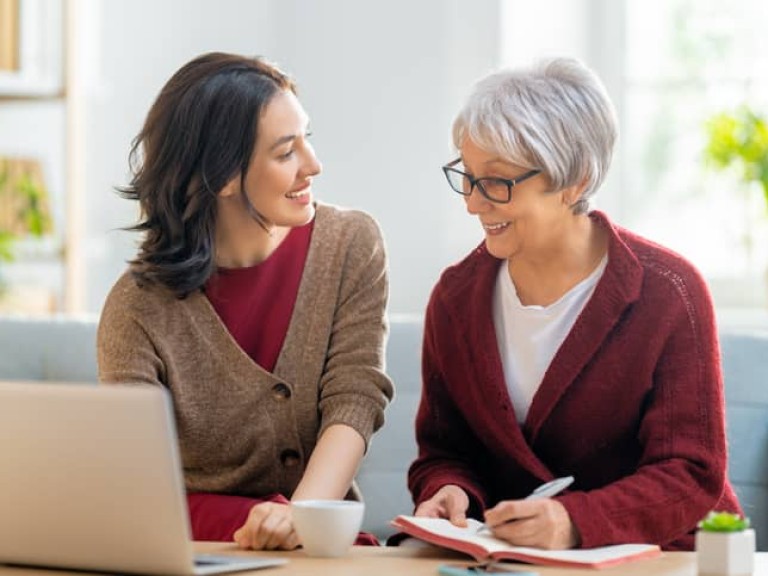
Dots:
pixel 529 336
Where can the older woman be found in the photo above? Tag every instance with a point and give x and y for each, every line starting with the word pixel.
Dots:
pixel 564 344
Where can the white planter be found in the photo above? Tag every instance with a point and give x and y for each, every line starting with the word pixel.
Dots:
pixel 725 553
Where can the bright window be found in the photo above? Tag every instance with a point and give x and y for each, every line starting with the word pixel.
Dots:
pixel 685 60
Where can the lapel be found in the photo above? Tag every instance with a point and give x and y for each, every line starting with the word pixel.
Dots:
pixel 618 288
pixel 201 308
pixel 289 365
pixel 291 362
pixel 489 410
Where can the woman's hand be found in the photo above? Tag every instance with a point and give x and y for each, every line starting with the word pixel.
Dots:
pixel 269 527
pixel 449 502
pixel 541 523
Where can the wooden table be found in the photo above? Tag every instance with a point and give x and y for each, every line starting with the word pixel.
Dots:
pixel 381 561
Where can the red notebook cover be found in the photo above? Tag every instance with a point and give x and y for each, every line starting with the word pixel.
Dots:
pixel 482 546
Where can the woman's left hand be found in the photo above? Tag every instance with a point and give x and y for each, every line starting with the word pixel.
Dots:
pixel 543 523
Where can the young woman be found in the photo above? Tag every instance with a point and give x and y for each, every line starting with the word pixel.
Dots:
pixel 564 345
pixel 261 310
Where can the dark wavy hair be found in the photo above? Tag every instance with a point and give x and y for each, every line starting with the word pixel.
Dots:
pixel 199 134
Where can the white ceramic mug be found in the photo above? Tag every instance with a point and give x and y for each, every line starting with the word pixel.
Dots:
pixel 327 528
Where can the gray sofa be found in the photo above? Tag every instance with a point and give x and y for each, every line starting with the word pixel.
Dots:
pixel 63 349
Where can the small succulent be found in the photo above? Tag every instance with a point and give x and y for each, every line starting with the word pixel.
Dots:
pixel 724 522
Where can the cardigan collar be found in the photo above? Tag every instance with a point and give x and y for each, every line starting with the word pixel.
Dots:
pixel 618 288
pixel 288 366
pixel 469 298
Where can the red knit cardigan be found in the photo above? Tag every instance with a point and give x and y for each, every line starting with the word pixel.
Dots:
pixel 631 405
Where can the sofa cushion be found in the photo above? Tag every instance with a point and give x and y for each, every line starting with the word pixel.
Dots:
pixel 745 370
pixel 383 474
pixel 52 348
pixel 64 348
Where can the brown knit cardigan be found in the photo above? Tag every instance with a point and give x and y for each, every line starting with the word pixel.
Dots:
pixel 243 430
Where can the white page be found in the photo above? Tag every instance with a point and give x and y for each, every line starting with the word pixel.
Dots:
pixel 444 528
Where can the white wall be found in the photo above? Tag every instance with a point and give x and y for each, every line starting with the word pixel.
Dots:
pixel 590 30
pixel 126 50
pixel 380 80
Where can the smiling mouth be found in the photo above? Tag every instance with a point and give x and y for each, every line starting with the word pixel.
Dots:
pixel 496 227
pixel 299 194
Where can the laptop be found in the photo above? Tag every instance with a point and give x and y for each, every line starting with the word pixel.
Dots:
pixel 90 479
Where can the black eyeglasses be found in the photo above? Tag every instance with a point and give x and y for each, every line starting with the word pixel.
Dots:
pixel 497 190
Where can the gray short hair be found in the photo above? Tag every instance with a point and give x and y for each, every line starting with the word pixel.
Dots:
pixel 555 116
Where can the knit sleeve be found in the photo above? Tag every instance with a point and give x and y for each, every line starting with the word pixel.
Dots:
pixel 354 389
pixel 125 352
pixel 447 448
pixel 682 468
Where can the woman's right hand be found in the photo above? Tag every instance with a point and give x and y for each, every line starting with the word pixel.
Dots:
pixel 269 527
pixel 450 502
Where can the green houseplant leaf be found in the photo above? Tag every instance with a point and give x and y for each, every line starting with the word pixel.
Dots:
pixel 724 522
pixel 27 197
pixel 32 212
pixel 6 246
pixel 738 141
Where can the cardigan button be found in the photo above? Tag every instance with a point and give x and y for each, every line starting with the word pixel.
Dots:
pixel 281 392
pixel 290 458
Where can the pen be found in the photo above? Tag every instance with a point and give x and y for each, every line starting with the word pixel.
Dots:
pixel 546 490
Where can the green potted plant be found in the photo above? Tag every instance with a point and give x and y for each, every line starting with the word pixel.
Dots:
pixel 6 238
pixel 23 206
pixel 725 545
pixel 739 141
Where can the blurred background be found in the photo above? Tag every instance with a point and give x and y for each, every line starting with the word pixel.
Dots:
pixel 381 82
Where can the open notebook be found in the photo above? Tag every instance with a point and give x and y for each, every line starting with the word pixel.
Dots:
pixel 91 479
pixel 442 533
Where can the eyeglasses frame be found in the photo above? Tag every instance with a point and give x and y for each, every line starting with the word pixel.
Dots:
pixel 510 183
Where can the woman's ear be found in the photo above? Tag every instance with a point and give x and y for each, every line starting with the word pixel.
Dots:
pixel 231 188
pixel 573 194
